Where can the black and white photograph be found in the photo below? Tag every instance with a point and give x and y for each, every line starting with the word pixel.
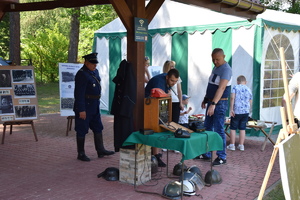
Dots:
pixel 6 106
pixel 28 112
pixel 27 90
pixel 67 103
pixel 25 76
pixel 68 76
pixel 5 79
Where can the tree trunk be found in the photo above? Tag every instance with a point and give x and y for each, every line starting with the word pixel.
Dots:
pixel 14 33
pixel 74 36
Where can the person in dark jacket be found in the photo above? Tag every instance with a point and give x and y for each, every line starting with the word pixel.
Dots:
pixel 87 95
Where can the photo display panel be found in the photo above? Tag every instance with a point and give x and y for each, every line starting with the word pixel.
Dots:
pixel 67 72
pixel 18 97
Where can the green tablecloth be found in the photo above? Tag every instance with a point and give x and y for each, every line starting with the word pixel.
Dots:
pixel 197 144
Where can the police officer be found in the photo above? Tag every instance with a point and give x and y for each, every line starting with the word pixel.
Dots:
pixel 87 95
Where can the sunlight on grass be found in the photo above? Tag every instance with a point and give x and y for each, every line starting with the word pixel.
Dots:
pixel 48 98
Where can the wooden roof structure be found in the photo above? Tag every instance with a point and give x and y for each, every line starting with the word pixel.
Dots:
pixel 127 10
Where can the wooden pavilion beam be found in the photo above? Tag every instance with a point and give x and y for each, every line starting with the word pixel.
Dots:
pixel 127 10
pixel 49 5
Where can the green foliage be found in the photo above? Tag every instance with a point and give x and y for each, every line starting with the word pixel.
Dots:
pixel 46 49
pixel 45 36
pixel 91 19
pixel 290 6
pixel 4 36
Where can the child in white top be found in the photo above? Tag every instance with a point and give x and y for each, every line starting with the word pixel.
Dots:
pixel 184 114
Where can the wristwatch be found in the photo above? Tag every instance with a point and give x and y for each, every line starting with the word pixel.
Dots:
pixel 213 103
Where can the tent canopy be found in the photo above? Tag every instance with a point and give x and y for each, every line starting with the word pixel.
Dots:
pixel 187 34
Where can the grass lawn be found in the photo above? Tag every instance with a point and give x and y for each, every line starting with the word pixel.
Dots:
pixel 275 194
pixel 48 98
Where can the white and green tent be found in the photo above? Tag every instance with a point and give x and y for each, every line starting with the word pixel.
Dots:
pixel 187 35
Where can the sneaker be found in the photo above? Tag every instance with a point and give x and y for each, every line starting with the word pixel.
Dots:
pixel 176 151
pixel 219 161
pixel 231 147
pixel 164 150
pixel 202 157
pixel 241 147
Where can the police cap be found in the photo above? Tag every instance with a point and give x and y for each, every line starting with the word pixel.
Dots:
pixel 92 58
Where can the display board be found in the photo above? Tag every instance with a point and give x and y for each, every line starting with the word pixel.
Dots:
pixel 289 161
pixel 67 72
pixel 18 94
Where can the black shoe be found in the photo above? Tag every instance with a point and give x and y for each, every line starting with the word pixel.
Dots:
pixel 219 161
pixel 105 153
pixel 83 157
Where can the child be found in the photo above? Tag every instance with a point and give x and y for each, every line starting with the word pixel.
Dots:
pixel 184 114
pixel 240 103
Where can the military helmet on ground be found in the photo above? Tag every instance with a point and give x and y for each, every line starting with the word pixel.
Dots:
pixel 213 177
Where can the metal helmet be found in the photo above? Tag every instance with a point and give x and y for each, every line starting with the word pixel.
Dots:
pixel 154 165
pixel 110 174
pixel 177 170
pixel 213 177
pixel 195 178
pixel 195 169
pixel 172 190
pixel 189 188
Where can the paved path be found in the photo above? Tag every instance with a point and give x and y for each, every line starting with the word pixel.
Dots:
pixel 48 169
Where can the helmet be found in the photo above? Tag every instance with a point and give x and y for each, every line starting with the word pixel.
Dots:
pixel 172 190
pixel 195 178
pixel 110 174
pixel 154 164
pixel 189 188
pixel 178 169
pixel 195 169
pixel 213 177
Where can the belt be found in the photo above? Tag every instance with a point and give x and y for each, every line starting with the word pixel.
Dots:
pixel 92 96
pixel 222 99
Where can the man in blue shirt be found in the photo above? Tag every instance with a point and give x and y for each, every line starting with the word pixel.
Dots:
pixel 163 81
pixel 216 98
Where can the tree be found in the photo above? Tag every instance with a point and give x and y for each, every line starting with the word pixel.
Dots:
pixel 14 38
pixel 67 23
pixel 4 37
pixel 46 49
pixel 74 36
pixel 290 6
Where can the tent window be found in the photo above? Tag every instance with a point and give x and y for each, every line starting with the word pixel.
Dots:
pixel 273 88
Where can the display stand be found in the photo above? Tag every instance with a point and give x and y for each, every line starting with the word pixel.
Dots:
pixel 69 124
pixel 11 123
pixel 287 129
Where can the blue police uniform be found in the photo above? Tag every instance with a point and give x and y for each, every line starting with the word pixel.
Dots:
pixel 87 95
pixel 87 98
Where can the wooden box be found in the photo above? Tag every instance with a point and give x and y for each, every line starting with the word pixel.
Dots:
pixel 155 109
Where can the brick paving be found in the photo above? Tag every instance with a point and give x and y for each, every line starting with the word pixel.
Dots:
pixel 48 168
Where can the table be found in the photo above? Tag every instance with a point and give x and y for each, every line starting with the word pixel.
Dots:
pixel 261 128
pixel 196 145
